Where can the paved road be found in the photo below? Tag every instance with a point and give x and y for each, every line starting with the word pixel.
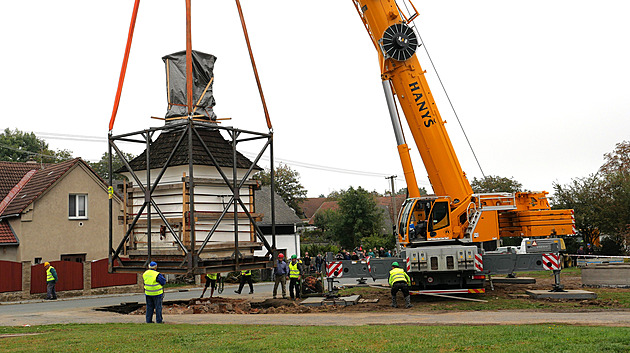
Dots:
pixel 80 310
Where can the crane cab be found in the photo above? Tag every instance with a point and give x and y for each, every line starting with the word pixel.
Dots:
pixel 424 219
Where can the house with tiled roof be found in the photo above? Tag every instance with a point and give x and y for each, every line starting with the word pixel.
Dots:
pixel 310 205
pixel 53 212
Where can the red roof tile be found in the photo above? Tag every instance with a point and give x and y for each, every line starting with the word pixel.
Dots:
pixel 328 205
pixel 309 206
pixel 11 173
pixel 7 237
pixel 41 181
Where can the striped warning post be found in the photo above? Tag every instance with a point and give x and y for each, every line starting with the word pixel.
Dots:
pixel 334 269
pixel 551 261
pixel 478 263
pixel 408 264
pixel 573 222
pixel 477 290
pixel 368 263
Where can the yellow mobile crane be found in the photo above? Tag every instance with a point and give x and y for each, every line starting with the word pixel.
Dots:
pixel 444 232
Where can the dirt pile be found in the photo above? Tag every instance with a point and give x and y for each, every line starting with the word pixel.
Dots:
pixel 219 305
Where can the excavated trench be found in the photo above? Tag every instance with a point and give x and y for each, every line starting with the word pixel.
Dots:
pixel 217 305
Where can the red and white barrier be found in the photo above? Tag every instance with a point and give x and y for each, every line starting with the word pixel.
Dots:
pixel 478 263
pixel 334 269
pixel 551 262
pixel 408 264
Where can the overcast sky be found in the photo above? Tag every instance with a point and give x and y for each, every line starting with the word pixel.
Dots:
pixel 541 87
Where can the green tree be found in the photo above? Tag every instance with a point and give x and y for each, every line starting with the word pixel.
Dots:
pixel 358 217
pixel 581 195
pixel 495 183
pixel 601 201
pixel 287 185
pixel 325 220
pixel 19 146
pixel 102 166
pixel 617 161
pixel 335 195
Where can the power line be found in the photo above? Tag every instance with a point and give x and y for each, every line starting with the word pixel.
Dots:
pixel 327 168
pixel 71 137
pixel 29 152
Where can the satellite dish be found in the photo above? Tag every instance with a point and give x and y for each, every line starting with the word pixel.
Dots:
pixel 399 42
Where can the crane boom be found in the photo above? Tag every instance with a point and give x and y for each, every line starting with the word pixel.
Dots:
pixel 455 212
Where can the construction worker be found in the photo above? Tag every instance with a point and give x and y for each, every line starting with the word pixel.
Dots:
pixel 211 281
pixel 295 274
pixel 51 281
pixel 280 273
pixel 246 276
pixel 154 292
pixel 399 280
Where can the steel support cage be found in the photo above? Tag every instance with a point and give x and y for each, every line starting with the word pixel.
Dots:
pixel 190 260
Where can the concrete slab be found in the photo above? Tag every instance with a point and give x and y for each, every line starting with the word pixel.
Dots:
pixel 612 275
pixel 569 294
pixel 341 301
pixel 517 280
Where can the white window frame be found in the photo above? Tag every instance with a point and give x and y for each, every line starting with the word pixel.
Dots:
pixel 76 206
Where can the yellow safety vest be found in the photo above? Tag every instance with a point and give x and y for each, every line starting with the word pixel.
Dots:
pixel 397 275
pixel 151 285
pixel 294 271
pixel 246 272
pixel 212 276
pixel 49 275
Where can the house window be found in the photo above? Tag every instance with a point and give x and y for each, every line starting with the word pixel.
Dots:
pixel 73 257
pixel 77 206
pixel 38 260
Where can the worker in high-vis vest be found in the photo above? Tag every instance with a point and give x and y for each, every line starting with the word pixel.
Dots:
pixel 246 276
pixel 51 281
pixel 154 292
pixel 295 274
pixel 399 281
pixel 211 281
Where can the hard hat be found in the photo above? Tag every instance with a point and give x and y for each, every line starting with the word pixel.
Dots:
pixel 293 256
pixel 153 264
pixel 395 264
pixel 46 263
pixel 280 255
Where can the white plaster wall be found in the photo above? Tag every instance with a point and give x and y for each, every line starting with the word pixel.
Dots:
pixel 207 199
pixel 290 242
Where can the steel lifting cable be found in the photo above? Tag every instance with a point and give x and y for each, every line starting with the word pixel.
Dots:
pixel 251 56
pixel 451 103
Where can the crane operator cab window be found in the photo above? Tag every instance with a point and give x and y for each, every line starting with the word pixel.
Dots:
pixel 439 217
pixel 413 220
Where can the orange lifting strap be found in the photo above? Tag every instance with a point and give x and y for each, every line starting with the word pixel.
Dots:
pixel 188 62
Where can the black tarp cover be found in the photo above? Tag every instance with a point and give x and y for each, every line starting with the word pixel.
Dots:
pixel 203 64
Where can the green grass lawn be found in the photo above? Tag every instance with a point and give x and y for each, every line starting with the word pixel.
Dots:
pixel 232 338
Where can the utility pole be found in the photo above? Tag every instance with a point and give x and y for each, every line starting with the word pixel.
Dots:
pixel 391 182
